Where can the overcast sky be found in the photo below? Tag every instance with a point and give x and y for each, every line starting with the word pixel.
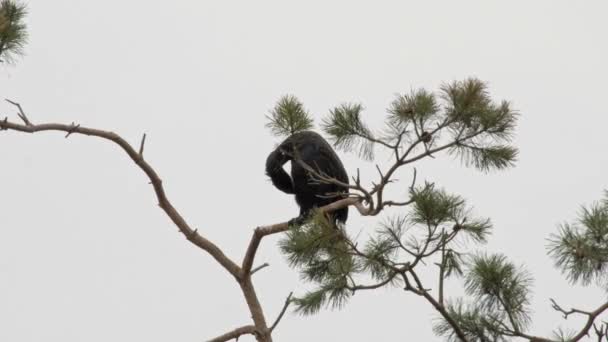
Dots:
pixel 87 255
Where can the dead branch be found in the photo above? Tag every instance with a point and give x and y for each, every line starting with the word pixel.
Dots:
pixel 191 234
pixel 264 265
pixel 591 317
pixel 235 334
pixel 242 274
pixel 21 113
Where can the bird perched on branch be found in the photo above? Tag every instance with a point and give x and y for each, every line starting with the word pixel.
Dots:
pixel 308 150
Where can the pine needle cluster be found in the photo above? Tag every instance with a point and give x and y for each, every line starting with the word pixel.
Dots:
pixel 580 249
pixel 347 130
pixel 288 117
pixel 336 264
pixel 500 293
pixel 320 250
pixel 13 30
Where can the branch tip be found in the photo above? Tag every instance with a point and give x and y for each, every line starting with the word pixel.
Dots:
pixel 414 180
pixel 141 145
pixel 264 265
pixel 287 302
pixel 21 113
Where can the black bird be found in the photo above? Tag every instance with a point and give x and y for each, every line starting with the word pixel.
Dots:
pixel 318 154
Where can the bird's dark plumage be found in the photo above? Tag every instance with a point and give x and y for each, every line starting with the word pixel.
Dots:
pixel 317 153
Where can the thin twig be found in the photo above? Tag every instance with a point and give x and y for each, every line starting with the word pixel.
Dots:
pixel 414 180
pixel 442 266
pixel 591 316
pixel 567 313
pixel 276 321
pixel 141 145
pixel 21 113
pixel 255 269
pixel 390 278
pixel 600 331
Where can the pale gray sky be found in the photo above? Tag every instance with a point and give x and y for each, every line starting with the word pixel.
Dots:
pixel 85 253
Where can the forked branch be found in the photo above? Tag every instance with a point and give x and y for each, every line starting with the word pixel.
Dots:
pixel 242 274
pixel 191 234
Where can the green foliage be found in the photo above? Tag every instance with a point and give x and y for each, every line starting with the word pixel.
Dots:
pixel 419 107
pixel 500 288
pixel 319 249
pixel 580 249
pixel 500 294
pixel 453 263
pixel 563 335
pixel 479 130
pixel 347 130
pixel 468 104
pixel 311 302
pixel 289 117
pixel 479 127
pixel 333 294
pixel 468 101
pixel 309 241
pixel 380 250
pixel 476 324
pixel 486 158
pixel 477 229
pixel 461 119
pixel 434 207
pixel 13 31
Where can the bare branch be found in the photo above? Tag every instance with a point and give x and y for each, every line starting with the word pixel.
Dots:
pixel 326 179
pixel 414 180
pixel 235 334
pixel 72 127
pixel 600 331
pixel 276 321
pixel 591 316
pixel 397 145
pixel 191 234
pixel 396 204
pixel 442 266
pixel 141 145
pixel 264 265
pixel 567 313
pixel 379 171
pixel 390 278
pixel 21 113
